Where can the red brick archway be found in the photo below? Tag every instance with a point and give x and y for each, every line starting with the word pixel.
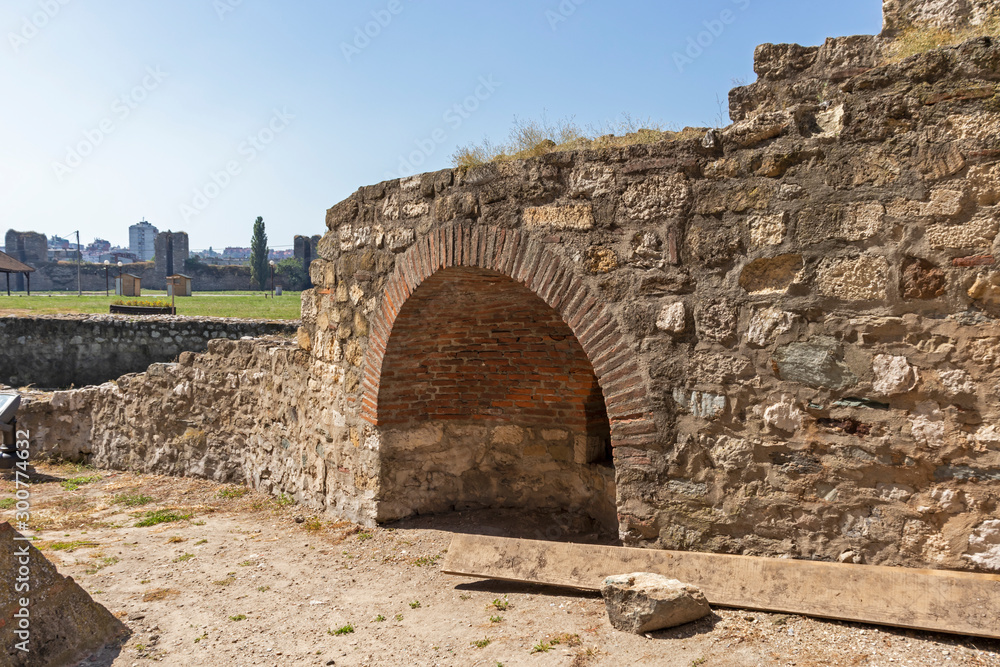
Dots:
pixel 514 254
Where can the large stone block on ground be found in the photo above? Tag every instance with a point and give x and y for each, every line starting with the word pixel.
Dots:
pixel 643 602
pixel 64 623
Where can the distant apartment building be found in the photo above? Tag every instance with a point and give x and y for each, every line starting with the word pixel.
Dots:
pixel 142 240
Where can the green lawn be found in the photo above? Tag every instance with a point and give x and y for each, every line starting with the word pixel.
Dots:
pixel 208 304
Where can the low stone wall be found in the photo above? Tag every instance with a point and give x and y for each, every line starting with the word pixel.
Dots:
pixel 60 352
pixel 62 276
pixel 256 411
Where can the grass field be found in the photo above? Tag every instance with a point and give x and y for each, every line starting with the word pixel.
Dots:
pixel 208 304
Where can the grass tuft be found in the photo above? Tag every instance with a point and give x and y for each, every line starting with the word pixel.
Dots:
pixel 131 499
pixel 161 516
pixel 75 483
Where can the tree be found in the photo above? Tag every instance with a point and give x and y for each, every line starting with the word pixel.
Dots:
pixel 293 276
pixel 258 255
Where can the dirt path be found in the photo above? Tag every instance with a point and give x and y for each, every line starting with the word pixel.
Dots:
pixel 243 579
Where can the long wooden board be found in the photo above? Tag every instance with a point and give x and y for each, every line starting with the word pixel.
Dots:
pixel 937 600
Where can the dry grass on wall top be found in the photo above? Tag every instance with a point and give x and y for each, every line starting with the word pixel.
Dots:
pixel 533 138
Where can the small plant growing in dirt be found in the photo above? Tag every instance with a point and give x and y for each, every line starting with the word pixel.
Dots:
pixel 566 639
pixel 198 639
pixel 176 539
pixel 379 618
pixel 248 563
pixel 233 492
pixel 496 619
pixel 102 563
pixel 541 647
pixel 500 604
pixel 364 536
pixel 415 604
pixel 284 500
pixel 464 596
pixel 426 560
pixel 183 557
pixel 399 617
pixel 238 617
pixel 263 589
pixel 75 483
pixel 482 643
pixel 70 547
pixel 313 523
pixel 7 503
pixel 342 630
pixel 201 541
pixel 160 516
pixel 131 499
pixel 230 578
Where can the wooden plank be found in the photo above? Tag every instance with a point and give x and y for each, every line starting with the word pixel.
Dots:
pixel 936 600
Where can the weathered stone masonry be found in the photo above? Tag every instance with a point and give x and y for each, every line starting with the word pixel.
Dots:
pixel 786 333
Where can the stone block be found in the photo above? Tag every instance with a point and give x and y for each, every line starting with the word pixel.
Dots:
pixel 672 318
pixel 893 375
pixel 984 546
pixel 700 404
pixel 578 217
pixel 784 415
pixel 767 230
pixel 657 197
pixel 601 260
pixel 863 221
pixel 771 274
pixel 979 232
pixel 921 279
pixel 643 602
pixel 768 323
pixel 986 289
pixel 862 278
pixel 757 129
pixel 817 363
pixel 591 180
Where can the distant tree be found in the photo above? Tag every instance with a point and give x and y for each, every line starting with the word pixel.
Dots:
pixel 293 276
pixel 258 255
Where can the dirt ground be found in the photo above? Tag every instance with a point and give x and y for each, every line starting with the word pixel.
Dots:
pixel 237 578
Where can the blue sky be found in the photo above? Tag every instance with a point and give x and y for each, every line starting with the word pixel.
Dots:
pixel 200 115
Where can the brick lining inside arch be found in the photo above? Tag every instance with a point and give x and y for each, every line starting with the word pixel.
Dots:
pixel 512 253
pixel 473 344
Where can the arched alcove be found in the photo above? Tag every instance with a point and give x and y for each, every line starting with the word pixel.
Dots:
pixel 487 399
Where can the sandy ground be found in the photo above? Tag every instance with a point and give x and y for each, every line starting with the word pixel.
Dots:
pixel 243 579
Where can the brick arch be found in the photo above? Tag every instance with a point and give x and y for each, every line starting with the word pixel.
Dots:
pixel 513 253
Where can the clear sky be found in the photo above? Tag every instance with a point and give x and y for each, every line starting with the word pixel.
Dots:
pixel 200 115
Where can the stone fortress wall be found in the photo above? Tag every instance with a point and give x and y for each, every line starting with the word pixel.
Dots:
pixel 779 339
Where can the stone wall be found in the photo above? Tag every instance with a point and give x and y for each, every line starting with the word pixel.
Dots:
pixel 791 321
pixel 64 351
